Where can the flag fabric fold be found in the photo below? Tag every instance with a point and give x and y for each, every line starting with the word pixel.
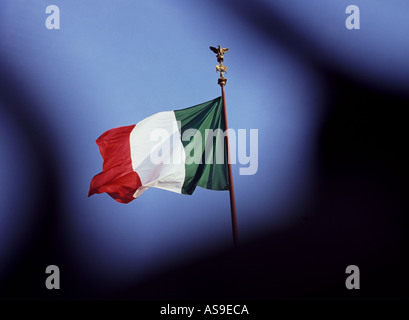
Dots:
pixel 172 150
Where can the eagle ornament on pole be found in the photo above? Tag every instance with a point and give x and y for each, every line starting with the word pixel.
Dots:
pixel 219 51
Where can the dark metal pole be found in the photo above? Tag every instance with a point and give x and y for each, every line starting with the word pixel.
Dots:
pixel 231 186
pixel 220 51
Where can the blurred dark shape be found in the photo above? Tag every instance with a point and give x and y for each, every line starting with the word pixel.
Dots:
pixel 21 104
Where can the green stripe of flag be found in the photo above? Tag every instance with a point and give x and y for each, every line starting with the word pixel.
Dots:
pixel 214 176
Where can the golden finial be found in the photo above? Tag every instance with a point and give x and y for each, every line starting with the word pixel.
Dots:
pixel 220 68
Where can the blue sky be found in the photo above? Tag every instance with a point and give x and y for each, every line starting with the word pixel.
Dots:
pixel 113 63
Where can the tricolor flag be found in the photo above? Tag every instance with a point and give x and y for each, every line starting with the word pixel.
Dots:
pixel 172 150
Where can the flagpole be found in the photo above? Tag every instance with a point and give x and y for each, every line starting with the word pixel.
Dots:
pixel 222 82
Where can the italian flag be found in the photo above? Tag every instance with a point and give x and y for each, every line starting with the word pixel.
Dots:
pixel 172 150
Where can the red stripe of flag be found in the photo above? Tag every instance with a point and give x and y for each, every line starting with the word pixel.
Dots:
pixel 117 178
